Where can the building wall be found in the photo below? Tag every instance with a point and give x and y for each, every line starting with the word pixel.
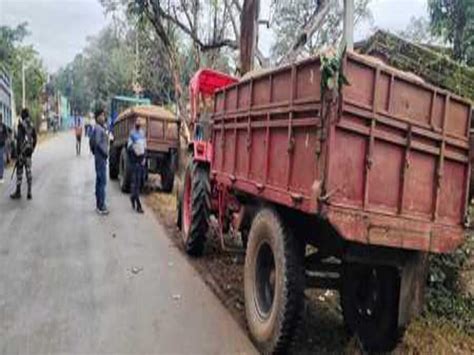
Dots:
pixel 6 97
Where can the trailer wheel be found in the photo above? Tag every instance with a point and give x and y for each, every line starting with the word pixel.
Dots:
pixel 369 300
pixel 114 164
pixel 195 208
pixel 274 283
pixel 167 178
pixel 124 172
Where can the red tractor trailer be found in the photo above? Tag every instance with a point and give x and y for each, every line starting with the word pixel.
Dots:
pixel 331 185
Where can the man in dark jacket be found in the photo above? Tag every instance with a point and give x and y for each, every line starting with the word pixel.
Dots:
pixel 3 142
pixel 99 144
pixel 25 145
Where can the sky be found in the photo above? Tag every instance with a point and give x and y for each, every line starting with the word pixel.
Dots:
pixel 59 28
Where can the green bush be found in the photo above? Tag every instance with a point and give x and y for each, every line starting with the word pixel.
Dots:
pixel 444 296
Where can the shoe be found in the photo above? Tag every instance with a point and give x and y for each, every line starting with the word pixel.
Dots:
pixel 29 196
pixel 104 211
pixel 139 207
pixel 17 194
pixel 2 181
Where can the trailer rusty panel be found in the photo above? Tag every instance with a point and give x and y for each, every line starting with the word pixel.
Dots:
pixel 388 165
pixel 404 180
pixel 265 135
pixel 161 128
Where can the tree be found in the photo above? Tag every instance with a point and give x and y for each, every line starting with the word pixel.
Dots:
pixel 453 20
pixel 109 65
pixel 13 54
pixel 418 31
pixel 105 68
pixel 9 38
pixel 294 16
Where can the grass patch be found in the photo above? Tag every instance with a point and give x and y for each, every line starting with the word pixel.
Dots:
pixel 433 335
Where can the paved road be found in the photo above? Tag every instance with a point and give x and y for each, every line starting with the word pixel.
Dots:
pixel 66 279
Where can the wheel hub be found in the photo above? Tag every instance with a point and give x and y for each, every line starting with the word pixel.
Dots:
pixel 368 295
pixel 265 280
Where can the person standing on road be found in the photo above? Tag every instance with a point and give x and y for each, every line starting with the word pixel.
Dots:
pixel 136 148
pixel 3 142
pixel 78 131
pixel 99 145
pixel 25 145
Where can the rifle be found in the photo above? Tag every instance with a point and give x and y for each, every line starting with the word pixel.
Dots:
pixel 14 169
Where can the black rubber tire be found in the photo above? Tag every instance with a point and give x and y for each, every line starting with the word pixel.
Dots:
pixel 374 322
pixel 179 201
pixel 167 179
pixel 194 235
pixel 273 330
pixel 114 164
pixel 125 174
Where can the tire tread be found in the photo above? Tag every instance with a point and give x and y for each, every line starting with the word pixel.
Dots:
pixel 200 209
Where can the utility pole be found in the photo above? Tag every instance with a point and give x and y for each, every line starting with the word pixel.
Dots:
pixel 348 30
pixel 136 85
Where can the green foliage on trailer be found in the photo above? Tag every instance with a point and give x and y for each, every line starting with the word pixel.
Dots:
pixel 432 65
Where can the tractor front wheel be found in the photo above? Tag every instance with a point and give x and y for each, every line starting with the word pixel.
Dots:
pixel 195 208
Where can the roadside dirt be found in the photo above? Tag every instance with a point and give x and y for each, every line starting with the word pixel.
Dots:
pixel 322 331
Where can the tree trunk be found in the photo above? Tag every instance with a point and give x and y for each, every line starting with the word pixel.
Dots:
pixel 248 34
pixel 460 25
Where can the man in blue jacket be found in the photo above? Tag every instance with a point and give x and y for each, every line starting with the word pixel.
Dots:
pixel 136 152
pixel 99 144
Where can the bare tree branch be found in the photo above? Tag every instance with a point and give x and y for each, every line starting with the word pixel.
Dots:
pixel 225 42
pixel 235 28
pixel 312 25
pixel 237 5
pixel 188 16
pixel 263 61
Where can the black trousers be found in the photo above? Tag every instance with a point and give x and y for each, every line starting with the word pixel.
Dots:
pixel 137 180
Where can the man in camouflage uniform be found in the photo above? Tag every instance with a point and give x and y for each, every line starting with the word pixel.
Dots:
pixel 26 144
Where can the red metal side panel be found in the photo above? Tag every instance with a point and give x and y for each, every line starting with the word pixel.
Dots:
pixel 258 146
pixel 347 166
pixel 398 165
pixel 266 135
pixel 385 178
pixel 242 158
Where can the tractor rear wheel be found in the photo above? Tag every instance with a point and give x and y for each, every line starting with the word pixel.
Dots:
pixel 195 208
pixel 274 283
pixel 369 300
